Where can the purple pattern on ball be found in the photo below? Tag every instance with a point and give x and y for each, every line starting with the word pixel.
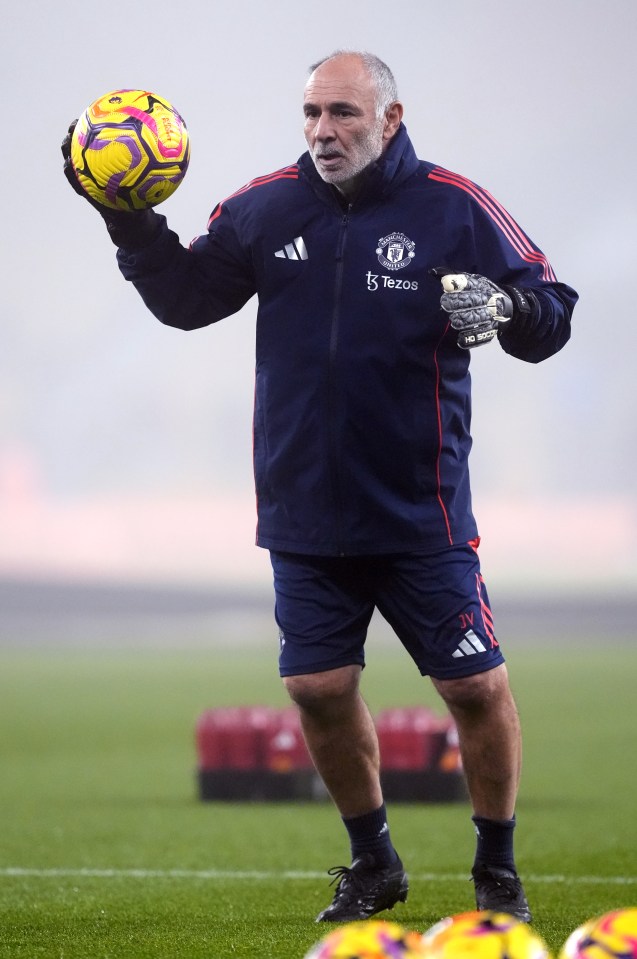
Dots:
pixel 112 185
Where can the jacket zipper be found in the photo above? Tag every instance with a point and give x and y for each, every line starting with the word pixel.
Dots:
pixel 334 447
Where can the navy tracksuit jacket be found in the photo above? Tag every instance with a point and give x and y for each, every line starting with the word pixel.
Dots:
pixel 362 403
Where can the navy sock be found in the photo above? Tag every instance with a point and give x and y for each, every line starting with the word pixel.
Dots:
pixel 369 834
pixel 494 842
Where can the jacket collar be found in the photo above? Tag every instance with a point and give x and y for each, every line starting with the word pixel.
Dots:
pixel 396 164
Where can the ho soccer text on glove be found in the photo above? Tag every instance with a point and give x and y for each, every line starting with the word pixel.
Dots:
pixel 478 307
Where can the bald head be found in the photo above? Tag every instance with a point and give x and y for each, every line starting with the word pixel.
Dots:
pixel 379 73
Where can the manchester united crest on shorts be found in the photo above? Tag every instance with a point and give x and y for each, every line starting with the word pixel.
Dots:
pixel 395 251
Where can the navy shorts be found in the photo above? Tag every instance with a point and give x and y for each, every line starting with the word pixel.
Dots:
pixel 436 603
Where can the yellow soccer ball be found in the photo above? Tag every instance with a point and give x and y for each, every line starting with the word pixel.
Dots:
pixel 610 936
pixel 484 935
pixel 130 150
pixel 369 939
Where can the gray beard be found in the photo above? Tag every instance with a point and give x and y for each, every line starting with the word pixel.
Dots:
pixel 370 150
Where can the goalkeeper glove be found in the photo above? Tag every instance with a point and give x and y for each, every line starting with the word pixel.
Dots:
pixel 478 308
pixel 129 229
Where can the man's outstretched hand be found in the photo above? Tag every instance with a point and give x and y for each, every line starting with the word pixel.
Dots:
pixel 130 229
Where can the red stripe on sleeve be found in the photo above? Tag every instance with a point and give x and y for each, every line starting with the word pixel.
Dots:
pixel 286 173
pixel 503 220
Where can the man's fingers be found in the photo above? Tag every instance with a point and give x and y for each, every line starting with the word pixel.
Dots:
pixel 467 319
pixel 467 300
pixel 476 306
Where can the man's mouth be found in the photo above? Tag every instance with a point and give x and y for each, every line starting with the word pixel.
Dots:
pixel 329 159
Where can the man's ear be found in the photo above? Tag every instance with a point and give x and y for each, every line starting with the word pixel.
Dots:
pixel 393 118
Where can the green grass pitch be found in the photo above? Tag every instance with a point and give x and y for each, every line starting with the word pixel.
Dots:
pixel 107 852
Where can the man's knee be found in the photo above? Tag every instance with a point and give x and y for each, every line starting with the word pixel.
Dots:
pixel 316 691
pixel 477 692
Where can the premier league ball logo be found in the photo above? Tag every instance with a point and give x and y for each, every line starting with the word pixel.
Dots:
pixel 395 251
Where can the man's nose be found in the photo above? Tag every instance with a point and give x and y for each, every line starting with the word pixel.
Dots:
pixel 324 129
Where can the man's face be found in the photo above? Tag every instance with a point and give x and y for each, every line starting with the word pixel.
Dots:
pixel 341 128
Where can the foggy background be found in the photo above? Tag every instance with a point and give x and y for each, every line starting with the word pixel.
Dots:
pixel 125 447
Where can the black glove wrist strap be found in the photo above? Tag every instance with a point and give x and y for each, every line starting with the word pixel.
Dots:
pixel 525 305
pixel 523 300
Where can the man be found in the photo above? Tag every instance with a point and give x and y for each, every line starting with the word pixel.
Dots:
pixel 361 436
